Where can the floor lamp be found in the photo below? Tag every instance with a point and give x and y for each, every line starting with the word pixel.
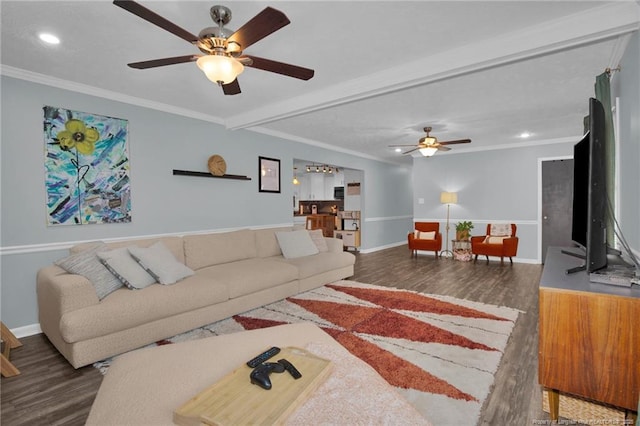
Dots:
pixel 448 198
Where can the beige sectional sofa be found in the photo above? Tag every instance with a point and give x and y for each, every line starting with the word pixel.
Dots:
pixel 234 272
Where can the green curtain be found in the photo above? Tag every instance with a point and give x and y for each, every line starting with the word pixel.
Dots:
pixel 603 94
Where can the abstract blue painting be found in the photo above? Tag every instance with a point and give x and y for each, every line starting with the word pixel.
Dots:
pixel 86 168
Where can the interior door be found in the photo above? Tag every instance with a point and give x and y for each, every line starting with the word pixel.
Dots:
pixel 557 204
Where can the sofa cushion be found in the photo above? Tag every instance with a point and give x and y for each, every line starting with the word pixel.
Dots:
pixel 125 309
pixel 158 261
pixel 87 264
pixel 174 244
pixel 319 263
pixel 296 244
pixel 126 268
pixel 217 248
pixel 251 275
pixel 267 243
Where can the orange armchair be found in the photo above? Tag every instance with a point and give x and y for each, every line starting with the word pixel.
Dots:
pixel 434 244
pixel 495 245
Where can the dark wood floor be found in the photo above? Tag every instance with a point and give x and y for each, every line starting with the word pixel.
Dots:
pixel 50 392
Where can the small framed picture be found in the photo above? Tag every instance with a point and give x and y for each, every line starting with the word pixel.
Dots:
pixel 268 174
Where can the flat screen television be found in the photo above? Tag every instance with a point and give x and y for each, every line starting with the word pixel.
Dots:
pixel 588 225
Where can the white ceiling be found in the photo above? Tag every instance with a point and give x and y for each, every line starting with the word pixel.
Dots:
pixel 484 70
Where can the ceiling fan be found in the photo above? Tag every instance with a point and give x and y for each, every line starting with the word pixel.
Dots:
pixel 223 58
pixel 429 145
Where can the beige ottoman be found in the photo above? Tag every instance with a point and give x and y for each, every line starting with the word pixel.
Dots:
pixel 144 387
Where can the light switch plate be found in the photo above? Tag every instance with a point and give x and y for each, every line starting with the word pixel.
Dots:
pixel 420 200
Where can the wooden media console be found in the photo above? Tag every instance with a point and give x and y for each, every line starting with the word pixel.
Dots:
pixel 589 337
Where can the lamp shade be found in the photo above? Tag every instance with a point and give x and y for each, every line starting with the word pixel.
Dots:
pixel 220 68
pixel 448 197
pixel 428 152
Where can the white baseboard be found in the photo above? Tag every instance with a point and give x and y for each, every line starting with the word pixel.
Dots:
pixel 27 330
pixel 374 249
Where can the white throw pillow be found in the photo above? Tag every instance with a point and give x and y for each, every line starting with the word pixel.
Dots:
pixel 158 261
pixel 296 244
pixel 318 239
pixel 431 235
pixel 500 229
pixel 124 266
pixel 87 264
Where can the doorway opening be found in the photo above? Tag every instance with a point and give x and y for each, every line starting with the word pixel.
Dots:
pixel 556 195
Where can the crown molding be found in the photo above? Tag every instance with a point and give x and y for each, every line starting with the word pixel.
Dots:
pixel 618 51
pixel 319 144
pixel 102 93
pixel 58 83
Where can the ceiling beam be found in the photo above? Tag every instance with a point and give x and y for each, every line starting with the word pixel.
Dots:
pixel 590 26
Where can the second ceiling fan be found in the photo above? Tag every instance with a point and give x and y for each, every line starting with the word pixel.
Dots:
pixel 429 145
pixel 223 57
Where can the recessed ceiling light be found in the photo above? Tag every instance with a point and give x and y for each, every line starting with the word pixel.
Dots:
pixel 49 38
pixel 525 135
pixel 398 150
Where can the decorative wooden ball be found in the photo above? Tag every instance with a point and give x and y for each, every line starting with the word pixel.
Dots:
pixel 217 165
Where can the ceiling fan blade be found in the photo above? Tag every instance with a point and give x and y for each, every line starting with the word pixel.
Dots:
pixel 264 23
pixel 413 144
pixel 411 150
pixel 455 142
pixel 232 88
pixel 162 62
pixel 443 148
pixel 154 18
pixel 280 68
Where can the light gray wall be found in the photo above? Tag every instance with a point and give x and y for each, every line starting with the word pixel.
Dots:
pixel 626 85
pixel 161 203
pixel 492 186
pixel 503 185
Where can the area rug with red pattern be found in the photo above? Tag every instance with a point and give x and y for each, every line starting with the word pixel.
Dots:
pixel 440 352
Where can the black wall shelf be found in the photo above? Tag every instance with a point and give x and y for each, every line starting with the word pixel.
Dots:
pixel 207 174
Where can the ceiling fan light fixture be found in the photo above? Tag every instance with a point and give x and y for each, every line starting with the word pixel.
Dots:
pixel 220 68
pixel 428 140
pixel 233 47
pixel 428 152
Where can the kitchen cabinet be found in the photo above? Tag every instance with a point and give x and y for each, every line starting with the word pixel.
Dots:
pixel 318 186
pixel 304 189
pixel 331 180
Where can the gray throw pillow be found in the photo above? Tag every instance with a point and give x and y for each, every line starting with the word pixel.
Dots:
pixel 124 266
pixel 296 244
pixel 160 263
pixel 87 264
